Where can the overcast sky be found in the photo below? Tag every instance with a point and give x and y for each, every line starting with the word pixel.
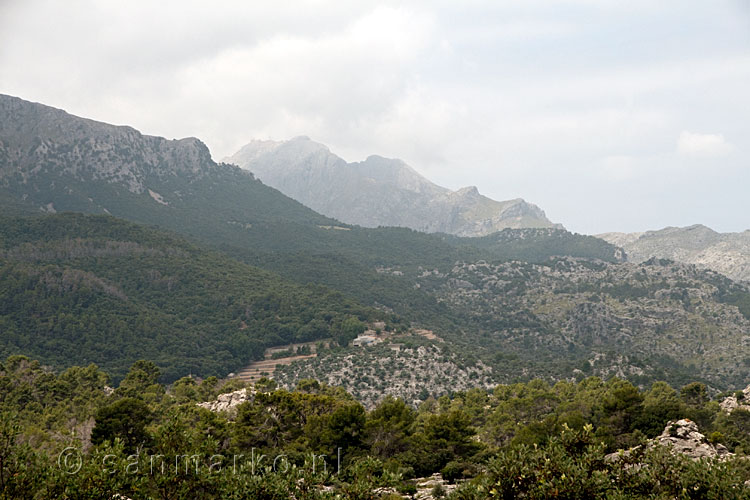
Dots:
pixel 610 115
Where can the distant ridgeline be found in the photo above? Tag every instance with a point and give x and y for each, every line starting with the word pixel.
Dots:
pixel 79 289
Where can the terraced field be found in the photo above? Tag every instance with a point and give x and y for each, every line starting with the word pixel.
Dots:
pixel 266 367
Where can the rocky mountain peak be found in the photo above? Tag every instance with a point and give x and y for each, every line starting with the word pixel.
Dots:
pixel 256 148
pixel 697 233
pixel 302 144
pixel 395 173
pixel 379 191
pixel 468 191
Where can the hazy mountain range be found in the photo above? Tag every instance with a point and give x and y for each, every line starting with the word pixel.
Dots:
pixel 379 191
pixel 727 253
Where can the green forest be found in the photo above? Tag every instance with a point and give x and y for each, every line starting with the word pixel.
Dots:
pixel 78 289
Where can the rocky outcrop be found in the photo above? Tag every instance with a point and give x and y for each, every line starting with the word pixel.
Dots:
pixel 379 191
pixel 727 253
pixel 428 486
pixel 682 436
pixel 38 139
pixel 229 401
pixel 54 161
pixel 731 403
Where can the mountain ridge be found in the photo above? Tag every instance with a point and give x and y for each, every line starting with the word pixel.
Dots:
pixel 228 209
pixel 379 191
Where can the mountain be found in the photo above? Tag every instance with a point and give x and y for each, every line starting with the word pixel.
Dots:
pixel 379 191
pixel 53 161
pixel 727 253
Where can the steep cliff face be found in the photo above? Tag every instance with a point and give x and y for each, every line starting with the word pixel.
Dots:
pixel 37 140
pixel 379 191
pixel 727 253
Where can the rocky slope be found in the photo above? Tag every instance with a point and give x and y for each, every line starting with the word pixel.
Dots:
pixel 408 372
pixel 38 140
pixel 379 191
pixel 727 253
pixel 560 319
pixel 51 161
pixel 651 320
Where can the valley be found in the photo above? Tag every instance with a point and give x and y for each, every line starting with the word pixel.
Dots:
pixel 228 314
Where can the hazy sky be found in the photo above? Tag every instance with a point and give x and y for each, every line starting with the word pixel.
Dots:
pixel 610 115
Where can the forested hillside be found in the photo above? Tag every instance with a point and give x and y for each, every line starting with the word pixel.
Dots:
pixel 77 289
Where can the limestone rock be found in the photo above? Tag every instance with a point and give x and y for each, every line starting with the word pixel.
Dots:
pixel 730 403
pixel 683 436
pixel 426 485
pixel 38 143
pixel 726 253
pixel 228 401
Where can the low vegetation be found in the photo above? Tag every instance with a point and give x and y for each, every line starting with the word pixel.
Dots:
pixel 68 435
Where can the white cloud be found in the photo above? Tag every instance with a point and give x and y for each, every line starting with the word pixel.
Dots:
pixel 707 145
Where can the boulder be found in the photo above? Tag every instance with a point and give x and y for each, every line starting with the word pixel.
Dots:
pixel 683 436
